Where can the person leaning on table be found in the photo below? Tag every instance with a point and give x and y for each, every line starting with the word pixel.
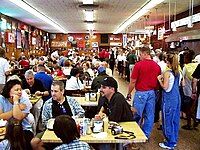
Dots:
pixel 114 104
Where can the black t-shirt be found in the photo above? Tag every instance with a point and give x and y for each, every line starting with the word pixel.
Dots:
pixel 196 74
pixel 118 109
pixel 37 86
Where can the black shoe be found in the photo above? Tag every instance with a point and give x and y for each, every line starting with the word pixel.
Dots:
pixel 187 127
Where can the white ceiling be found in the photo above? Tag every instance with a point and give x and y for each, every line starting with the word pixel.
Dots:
pixel 109 15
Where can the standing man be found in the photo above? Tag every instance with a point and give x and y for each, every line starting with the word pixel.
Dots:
pixel 144 80
pixel 4 68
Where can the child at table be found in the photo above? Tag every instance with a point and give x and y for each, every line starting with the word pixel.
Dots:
pixel 14 137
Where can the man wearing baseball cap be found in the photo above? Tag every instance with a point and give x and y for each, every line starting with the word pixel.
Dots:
pixel 115 105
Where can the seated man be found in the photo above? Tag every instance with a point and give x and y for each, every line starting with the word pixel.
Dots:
pixel 114 105
pixel 35 86
pixel 60 105
pixel 64 125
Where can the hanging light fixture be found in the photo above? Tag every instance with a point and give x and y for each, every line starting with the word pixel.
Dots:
pixel 190 23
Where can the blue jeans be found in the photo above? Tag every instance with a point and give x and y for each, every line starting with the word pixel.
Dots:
pixel 144 102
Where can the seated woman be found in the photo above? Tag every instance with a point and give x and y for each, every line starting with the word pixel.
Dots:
pixel 74 83
pixel 14 139
pixel 14 105
pixel 64 125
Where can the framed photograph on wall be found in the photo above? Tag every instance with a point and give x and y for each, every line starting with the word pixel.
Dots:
pixel 18 39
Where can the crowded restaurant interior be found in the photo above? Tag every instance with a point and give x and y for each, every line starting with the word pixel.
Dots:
pixel 99 74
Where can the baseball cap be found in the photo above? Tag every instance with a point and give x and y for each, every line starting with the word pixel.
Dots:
pixel 109 81
pixel 101 69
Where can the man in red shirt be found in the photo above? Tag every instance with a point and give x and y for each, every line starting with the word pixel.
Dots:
pixel 144 80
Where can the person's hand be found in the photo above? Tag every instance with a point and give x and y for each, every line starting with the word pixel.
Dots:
pixel 22 106
pixel 159 77
pixel 15 98
pixel 38 93
pixel 27 91
pixel 101 115
pixel 194 96
pixel 128 97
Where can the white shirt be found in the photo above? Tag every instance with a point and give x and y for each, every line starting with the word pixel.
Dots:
pixel 74 84
pixel 4 66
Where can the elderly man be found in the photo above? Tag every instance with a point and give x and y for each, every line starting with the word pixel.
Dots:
pixel 59 104
pixel 35 86
pixel 144 80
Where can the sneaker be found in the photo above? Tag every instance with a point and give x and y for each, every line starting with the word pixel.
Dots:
pixel 165 146
pixel 187 127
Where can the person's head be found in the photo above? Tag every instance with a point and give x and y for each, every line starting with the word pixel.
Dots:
pixel 101 69
pixel 75 72
pixel 40 68
pixel 14 134
pixel 57 90
pixel 188 56
pixel 12 87
pixel 65 128
pixel 67 63
pixel 172 62
pixel 108 86
pixel 2 52
pixel 145 52
pixel 29 76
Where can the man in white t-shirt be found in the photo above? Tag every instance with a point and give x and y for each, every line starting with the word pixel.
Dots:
pixel 4 68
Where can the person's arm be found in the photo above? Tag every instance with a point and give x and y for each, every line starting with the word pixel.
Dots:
pixel 46 114
pixel 164 80
pixel 78 110
pixel 39 93
pixel 6 115
pixel 101 112
pixel 17 112
pixel 194 88
pixel 130 88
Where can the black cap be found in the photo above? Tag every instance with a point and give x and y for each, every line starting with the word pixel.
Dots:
pixel 110 81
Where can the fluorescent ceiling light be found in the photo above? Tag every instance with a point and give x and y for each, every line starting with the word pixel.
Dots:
pixel 89 15
pixel 137 14
pixel 87 1
pixel 33 11
pixel 90 26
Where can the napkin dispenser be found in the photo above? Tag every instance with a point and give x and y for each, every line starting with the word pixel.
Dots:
pixel 91 96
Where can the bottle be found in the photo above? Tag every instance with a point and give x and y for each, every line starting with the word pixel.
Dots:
pixel 105 124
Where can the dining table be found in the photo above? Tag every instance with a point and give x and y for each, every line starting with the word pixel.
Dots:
pixel 104 138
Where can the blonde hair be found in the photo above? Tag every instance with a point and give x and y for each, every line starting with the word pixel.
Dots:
pixel 172 58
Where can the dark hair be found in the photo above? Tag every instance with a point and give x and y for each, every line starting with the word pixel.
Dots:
pixel 188 56
pixel 74 71
pixel 65 128
pixel 14 134
pixel 8 86
pixel 2 52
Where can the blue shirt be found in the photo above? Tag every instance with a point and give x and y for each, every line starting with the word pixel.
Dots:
pixel 76 109
pixel 74 145
pixel 45 79
pixel 6 106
